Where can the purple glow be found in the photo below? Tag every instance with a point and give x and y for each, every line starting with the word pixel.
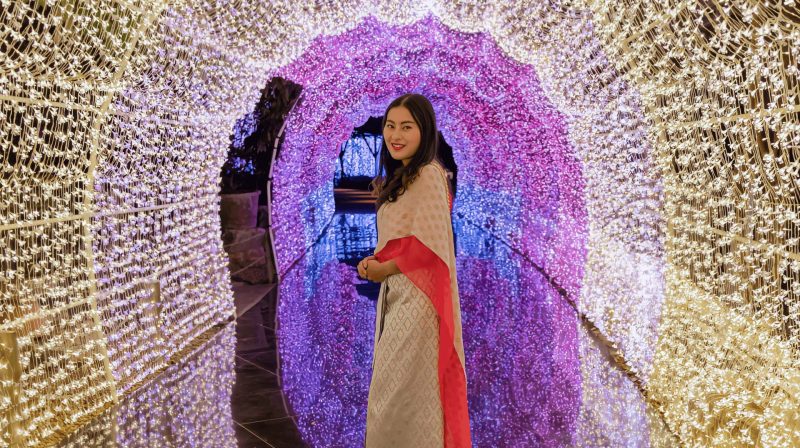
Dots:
pixel 507 138
pixel 518 180
pixel 525 386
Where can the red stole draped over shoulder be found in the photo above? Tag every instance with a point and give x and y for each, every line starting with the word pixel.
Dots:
pixel 428 272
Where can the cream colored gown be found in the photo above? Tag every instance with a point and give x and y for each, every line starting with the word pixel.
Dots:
pixel 404 406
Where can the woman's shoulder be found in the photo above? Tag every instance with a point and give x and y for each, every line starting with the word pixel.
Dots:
pixel 432 175
pixel 432 168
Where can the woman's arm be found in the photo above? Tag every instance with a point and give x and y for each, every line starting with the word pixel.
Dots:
pixel 389 268
pixel 378 271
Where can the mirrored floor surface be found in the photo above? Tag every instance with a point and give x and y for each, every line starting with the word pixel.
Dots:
pixel 226 393
pixel 536 376
pixel 293 370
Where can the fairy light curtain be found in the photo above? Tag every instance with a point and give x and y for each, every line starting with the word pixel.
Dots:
pixel 720 82
pixel 683 116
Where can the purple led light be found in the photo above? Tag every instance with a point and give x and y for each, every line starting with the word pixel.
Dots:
pixel 518 180
pixel 506 136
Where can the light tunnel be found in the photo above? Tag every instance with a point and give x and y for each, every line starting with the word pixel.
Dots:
pixel 520 180
pixel 627 215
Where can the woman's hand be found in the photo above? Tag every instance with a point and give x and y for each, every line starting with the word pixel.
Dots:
pixel 371 269
pixel 376 271
pixel 362 266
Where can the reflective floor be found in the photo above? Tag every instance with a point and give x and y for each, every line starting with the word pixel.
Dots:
pixel 225 394
pixel 298 375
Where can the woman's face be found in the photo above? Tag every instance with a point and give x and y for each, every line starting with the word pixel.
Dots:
pixel 402 134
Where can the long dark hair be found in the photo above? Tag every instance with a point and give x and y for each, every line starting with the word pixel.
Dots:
pixel 393 177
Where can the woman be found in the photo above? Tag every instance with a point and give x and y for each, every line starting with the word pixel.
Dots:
pixel 418 392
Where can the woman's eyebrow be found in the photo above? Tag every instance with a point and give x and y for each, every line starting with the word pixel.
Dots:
pixel 401 121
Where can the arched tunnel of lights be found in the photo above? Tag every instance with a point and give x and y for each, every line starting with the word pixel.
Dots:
pixel 519 177
pixel 626 215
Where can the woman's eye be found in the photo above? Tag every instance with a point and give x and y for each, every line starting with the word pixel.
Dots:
pixel 406 127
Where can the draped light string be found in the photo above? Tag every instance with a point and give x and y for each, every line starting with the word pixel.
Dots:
pixel 720 85
pixel 189 404
pixel 620 290
pixel 54 81
pixel 136 101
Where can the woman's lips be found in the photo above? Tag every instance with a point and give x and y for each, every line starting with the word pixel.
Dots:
pixel 397 148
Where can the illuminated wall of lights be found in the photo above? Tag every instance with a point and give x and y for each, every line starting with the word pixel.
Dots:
pixel 357 157
pixel 720 82
pixel 678 121
pixel 189 404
